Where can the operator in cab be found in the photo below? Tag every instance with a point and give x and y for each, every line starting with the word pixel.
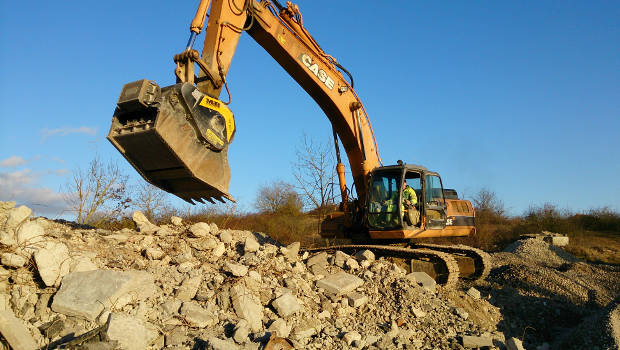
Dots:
pixel 411 216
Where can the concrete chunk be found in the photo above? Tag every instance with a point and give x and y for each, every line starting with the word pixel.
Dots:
pixel 200 229
pixel 188 289
pixel 247 306
pixel 143 225
pixel 17 216
pixel 423 279
pixel 15 332
pixel 514 344
pixel 474 293
pixel 470 341
pixel 197 316
pixel 236 269
pixel 86 294
pixel 339 283
pixel 319 259
pixel 13 260
pixel 357 299
pixel 251 245
pixel 131 332
pixel 53 262
pixel 286 305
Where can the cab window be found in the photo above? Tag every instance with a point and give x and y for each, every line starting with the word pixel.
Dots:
pixel 383 200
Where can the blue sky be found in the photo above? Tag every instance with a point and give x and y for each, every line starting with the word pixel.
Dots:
pixel 522 98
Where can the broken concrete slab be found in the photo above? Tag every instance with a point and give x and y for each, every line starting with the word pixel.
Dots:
pixel 423 279
pixel 199 229
pixel 143 225
pixel 13 260
pixel 251 245
pixel 197 316
pixel 189 287
pixel 16 217
pixel 130 332
pixel 53 262
pixel 357 299
pixel 247 306
pixel 286 305
pixel 318 259
pixel 470 341
pixel 30 233
pixel 339 283
pixel 86 294
pixel 15 332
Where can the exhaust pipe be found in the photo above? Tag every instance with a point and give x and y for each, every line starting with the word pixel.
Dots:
pixel 176 137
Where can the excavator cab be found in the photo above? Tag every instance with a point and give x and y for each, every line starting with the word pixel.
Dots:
pixel 390 207
pixel 176 137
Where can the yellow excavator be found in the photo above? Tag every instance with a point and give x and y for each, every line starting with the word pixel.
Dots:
pixel 177 138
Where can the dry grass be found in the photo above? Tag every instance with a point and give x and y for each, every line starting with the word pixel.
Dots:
pixel 595 247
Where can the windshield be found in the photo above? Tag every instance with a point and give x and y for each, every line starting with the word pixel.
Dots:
pixel 383 200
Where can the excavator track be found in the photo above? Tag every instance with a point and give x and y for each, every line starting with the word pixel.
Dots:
pixel 481 260
pixel 448 267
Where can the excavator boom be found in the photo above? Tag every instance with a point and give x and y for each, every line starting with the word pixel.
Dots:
pixel 178 142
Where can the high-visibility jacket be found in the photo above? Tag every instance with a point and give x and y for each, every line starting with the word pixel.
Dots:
pixel 409 194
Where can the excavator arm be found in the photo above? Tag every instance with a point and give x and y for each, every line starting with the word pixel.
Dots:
pixel 280 31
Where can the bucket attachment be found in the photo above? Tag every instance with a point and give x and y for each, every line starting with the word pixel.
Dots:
pixel 176 137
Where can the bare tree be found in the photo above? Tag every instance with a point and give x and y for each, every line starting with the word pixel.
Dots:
pixel 278 198
pixel 97 193
pixel 486 201
pixel 150 200
pixel 315 173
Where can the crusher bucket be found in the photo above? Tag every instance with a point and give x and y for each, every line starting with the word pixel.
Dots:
pixel 176 137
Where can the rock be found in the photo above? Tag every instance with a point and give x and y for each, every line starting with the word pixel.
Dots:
pixel 365 255
pixel 291 251
pixel 340 258
pixel 251 245
pixel 164 230
pixel 15 332
pixel 200 229
pixel 318 270
pixel 30 233
pixel 171 307
pixel 236 269
pixel 423 279
pixel 357 299
pixel 143 225
pixel 197 316
pixel 17 216
pixel 214 229
pixel 154 253
pixel 81 264
pixel 470 341
pixel 53 262
pixel 131 332
pixel 177 336
pixel 176 221
pixel 247 306
pixel 286 305
pixel 13 260
pixel 7 239
pixel 226 237
pixel 221 344
pixel 219 250
pixel 339 283
pixel 280 328
pixel 514 344
pixel 350 337
pixel 189 287
pixel 86 294
pixel 460 312
pixel 418 313
pixel 474 293
pixel 318 259
pixel 241 332
pixel 352 264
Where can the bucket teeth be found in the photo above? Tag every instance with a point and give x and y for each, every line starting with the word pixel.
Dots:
pixel 210 200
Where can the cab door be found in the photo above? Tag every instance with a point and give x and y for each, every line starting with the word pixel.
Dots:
pixel 434 203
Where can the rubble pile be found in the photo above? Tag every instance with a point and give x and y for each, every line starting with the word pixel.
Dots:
pixel 555 298
pixel 193 285
pixel 182 286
